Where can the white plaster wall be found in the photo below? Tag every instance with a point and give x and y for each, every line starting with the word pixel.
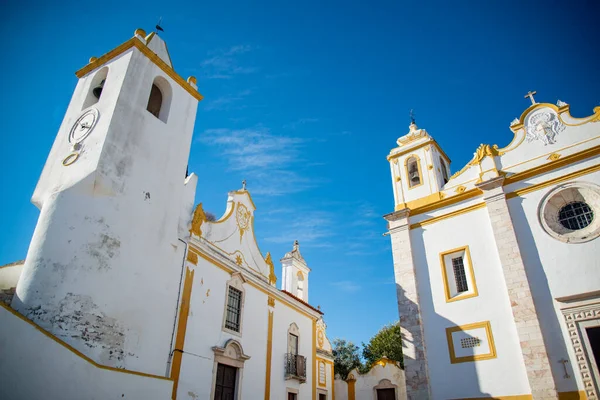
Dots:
pixel 555 269
pixel 366 382
pixel 33 366
pixel 470 379
pixel 512 160
pixel 204 331
pixel 328 379
pixel 105 250
pixel 9 276
pixel 341 389
pixel 284 316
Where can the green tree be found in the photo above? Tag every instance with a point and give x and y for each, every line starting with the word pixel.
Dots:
pixel 387 342
pixel 345 357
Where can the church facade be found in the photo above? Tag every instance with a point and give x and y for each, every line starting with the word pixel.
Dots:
pixel 128 289
pixel 496 266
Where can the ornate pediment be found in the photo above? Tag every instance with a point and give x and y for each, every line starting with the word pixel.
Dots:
pixel 232 235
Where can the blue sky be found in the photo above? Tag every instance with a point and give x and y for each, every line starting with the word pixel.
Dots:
pixel 304 100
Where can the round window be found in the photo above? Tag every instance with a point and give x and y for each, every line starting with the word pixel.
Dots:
pixel 567 212
pixel 576 215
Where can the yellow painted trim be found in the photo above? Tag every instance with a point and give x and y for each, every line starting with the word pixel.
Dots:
pixel 184 312
pixel 224 218
pixel 77 352
pixel 510 195
pixel 412 149
pixel 247 193
pixel 351 389
pixel 436 201
pixel 192 257
pixel 314 357
pixel 447 201
pixel 445 275
pixel 332 383
pixel 517 397
pixel 449 215
pixel 150 37
pixel 552 165
pixel 576 395
pixel 562 149
pixel 541 185
pixel 135 42
pixel 322 383
pixel 283 299
pixel 421 177
pixel 478 357
pixel 269 353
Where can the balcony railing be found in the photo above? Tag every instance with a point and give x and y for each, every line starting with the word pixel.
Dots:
pixel 295 367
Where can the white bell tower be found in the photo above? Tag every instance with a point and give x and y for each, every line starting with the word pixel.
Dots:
pixel 295 273
pixel 103 267
pixel 419 167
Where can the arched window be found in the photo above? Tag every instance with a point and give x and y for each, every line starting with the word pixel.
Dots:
pixel 159 100
pixel 95 90
pixel 413 170
pixel 300 291
pixel 155 101
pixel 444 171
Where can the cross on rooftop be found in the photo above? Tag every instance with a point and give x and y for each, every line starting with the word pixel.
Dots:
pixel 530 95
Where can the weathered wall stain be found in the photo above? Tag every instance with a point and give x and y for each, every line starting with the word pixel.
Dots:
pixel 104 250
pixel 77 316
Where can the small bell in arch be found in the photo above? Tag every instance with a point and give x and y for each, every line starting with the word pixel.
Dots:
pixel 97 91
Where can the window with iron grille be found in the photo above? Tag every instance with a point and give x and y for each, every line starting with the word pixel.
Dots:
pixel 234 305
pixel 459 275
pixel 576 215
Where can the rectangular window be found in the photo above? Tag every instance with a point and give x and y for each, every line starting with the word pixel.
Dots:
pixel 292 396
pixel 322 396
pixel 225 383
pixel 459 275
pixel 234 304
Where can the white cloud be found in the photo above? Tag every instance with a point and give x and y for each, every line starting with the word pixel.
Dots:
pixel 225 64
pixel 271 164
pixel 311 227
pixel 347 286
pixel 227 102
pixel 300 122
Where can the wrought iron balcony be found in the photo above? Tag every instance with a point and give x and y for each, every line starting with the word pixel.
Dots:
pixel 295 367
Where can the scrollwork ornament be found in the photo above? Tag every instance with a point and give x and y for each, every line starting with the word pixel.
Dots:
pixel 197 219
pixel 544 126
pixel 242 217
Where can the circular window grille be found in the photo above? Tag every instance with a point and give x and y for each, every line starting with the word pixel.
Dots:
pixel 567 212
pixel 576 215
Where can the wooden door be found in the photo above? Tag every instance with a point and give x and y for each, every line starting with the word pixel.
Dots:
pixel 225 385
pixel 386 394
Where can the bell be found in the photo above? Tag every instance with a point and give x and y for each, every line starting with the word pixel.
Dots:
pixel 97 91
pixel 414 177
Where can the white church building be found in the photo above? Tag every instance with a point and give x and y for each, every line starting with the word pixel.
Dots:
pixel 128 290
pixel 497 266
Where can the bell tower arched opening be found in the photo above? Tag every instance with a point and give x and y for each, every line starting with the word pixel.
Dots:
pixel 159 101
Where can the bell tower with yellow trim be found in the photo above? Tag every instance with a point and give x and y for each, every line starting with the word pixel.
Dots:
pixel 419 167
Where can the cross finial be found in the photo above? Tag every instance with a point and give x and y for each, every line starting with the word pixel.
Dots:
pixel 530 95
pixel 412 117
pixel 244 184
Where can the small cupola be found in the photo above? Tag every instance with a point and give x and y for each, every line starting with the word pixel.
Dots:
pixel 419 166
pixel 295 273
